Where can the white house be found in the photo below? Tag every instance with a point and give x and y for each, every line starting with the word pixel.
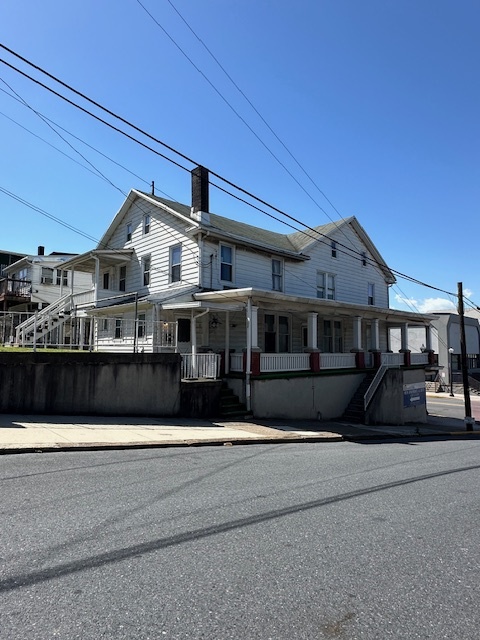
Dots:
pixel 166 276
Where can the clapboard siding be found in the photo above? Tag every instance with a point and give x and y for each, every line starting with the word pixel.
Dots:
pixel 254 269
pixel 166 231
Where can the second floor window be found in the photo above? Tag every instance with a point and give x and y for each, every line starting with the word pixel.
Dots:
pixel 176 263
pixel 122 278
pixel 146 270
pixel 47 275
pixel 325 285
pixel 277 275
pixel 62 278
pixel 146 223
pixel 333 245
pixel 106 280
pixel 371 294
pixel 129 231
pixel 226 263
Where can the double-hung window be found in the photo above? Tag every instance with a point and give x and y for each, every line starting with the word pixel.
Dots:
pixel 276 333
pixel 176 263
pixel 146 223
pixel 333 246
pixel 62 278
pixel 371 294
pixel 129 231
pixel 141 325
pixel 146 264
pixel 332 336
pixel 277 274
pixel 122 278
pixel 118 328
pixel 325 285
pixel 226 263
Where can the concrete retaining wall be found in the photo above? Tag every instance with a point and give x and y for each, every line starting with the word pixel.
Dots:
pixel 304 397
pixel 90 383
pixel 391 404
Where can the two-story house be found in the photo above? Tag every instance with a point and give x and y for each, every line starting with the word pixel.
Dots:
pixel 166 276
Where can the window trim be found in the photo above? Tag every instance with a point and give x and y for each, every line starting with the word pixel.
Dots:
pixel 371 294
pixel 277 275
pixel 146 262
pixel 174 265
pixel 326 288
pixel 231 264
pixel 147 221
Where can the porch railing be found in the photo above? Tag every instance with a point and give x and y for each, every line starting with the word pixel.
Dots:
pixel 337 361
pixel 236 362
pixel 15 288
pixel 200 365
pixel 419 358
pixel 393 359
pixel 270 362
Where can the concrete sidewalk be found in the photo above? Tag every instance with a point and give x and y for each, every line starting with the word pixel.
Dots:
pixel 22 434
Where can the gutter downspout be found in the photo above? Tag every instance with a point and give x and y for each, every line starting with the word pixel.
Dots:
pixel 248 364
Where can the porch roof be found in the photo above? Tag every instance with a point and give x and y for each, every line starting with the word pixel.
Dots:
pixel 108 258
pixel 283 302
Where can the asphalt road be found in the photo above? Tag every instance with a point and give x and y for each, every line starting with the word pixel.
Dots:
pixel 335 541
pixel 453 407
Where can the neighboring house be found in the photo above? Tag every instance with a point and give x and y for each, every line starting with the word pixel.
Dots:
pixel 36 281
pixel 446 335
pixel 8 293
pixel 166 276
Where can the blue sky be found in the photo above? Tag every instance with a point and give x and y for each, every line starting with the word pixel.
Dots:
pixel 378 101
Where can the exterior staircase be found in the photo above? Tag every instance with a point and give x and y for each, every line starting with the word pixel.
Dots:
pixel 230 405
pixel 355 411
pixel 44 322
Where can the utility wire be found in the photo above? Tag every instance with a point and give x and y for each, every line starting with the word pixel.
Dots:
pixel 218 176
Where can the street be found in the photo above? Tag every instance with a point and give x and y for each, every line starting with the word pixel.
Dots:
pixel 336 540
pixel 452 407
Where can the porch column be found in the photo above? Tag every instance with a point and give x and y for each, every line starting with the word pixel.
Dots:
pixel 428 338
pixel 377 357
pixel 226 363
pixel 404 344
pixel 81 339
pixel 96 280
pixel 254 327
pixel 357 343
pixel 312 332
pixel 193 339
pixel 357 333
pixel 375 334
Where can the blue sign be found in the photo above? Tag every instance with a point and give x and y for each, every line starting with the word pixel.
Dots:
pixel 414 395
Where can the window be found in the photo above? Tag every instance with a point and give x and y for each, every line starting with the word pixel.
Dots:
pixel 146 270
pixel 106 280
pixel 105 324
pixel 276 334
pixel 364 258
pixel 141 325
pixel 129 231
pixel 371 294
pixel 61 278
pixel 176 263
pixel 118 328
pixel 325 285
pixel 146 224
pixel 333 246
pixel 122 278
pixel 226 263
pixel 332 338
pixel 47 275
pixel 277 275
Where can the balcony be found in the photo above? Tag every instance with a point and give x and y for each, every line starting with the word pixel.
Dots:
pixel 14 291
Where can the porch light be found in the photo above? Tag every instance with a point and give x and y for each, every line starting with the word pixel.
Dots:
pixel 214 322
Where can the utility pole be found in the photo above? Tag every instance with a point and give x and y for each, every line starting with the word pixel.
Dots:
pixel 469 421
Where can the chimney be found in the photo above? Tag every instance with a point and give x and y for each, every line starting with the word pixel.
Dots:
pixel 41 251
pixel 200 206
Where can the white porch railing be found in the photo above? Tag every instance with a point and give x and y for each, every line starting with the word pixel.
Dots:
pixel 270 362
pixel 200 365
pixel 419 358
pixel 236 362
pixel 393 359
pixel 337 361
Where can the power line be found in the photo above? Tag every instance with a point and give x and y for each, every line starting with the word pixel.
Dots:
pixel 218 176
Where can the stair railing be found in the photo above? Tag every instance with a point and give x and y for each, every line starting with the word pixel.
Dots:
pixel 377 379
pixel 33 323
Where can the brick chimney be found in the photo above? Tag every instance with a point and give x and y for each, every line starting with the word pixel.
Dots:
pixel 200 206
pixel 41 251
